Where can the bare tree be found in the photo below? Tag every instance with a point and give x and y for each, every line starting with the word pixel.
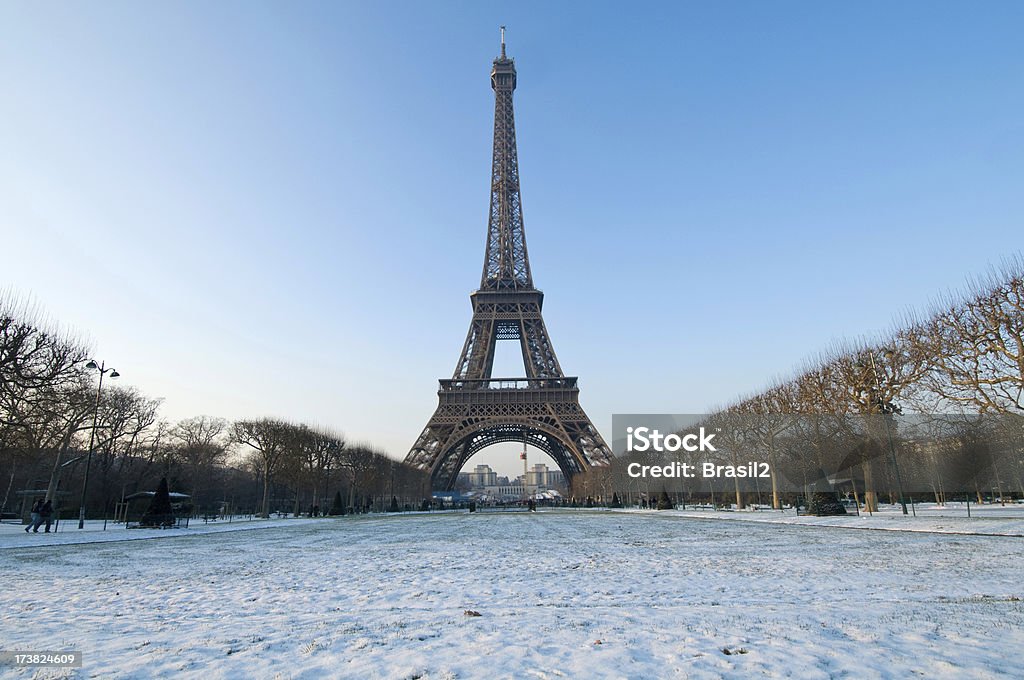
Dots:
pixel 41 380
pixel 321 453
pixel 200 448
pixel 268 439
pixel 977 347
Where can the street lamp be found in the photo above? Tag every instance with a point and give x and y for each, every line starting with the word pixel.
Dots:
pixel 103 370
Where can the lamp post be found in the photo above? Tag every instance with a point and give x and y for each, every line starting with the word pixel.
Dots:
pixel 103 370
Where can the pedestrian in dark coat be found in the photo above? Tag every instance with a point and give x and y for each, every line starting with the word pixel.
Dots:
pixel 47 514
pixel 36 517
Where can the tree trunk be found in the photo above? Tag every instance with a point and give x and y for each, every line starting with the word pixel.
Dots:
pixel 870 498
pixel 266 492
pixel 776 503
pixel 51 489
pixel 10 485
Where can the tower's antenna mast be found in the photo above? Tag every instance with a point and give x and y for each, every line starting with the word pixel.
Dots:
pixel 502 42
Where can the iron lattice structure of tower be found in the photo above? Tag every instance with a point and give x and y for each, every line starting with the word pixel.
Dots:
pixel 476 410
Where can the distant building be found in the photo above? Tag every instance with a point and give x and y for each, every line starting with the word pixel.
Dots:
pixel 506 491
pixel 485 480
pixel 482 476
pixel 540 477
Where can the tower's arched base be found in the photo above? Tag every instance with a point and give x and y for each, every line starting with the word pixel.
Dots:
pixel 473 415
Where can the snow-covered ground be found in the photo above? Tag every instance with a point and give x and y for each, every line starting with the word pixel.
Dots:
pixel 561 594
pixel 12 535
pixel 989 519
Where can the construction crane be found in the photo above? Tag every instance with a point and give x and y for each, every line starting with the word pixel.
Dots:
pixel 526 473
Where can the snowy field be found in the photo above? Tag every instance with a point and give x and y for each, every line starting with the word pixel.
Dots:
pixel 990 519
pixel 561 594
pixel 12 535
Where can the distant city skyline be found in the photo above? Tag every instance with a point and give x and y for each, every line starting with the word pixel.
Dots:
pixel 486 484
pixel 259 209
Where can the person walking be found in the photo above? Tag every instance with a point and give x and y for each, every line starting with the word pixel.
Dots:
pixel 46 512
pixel 36 517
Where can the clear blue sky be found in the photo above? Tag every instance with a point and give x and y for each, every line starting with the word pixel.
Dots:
pixel 279 208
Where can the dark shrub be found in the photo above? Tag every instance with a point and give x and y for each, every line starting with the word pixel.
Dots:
pixel 159 513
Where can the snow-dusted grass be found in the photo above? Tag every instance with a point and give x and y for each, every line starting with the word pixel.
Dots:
pixel 12 535
pixel 989 519
pixel 561 594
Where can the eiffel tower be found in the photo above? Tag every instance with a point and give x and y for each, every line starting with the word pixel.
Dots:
pixel 475 409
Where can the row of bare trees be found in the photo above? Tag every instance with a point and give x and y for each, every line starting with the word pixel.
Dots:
pixel 51 410
pixel 962 363
pixel 309 458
